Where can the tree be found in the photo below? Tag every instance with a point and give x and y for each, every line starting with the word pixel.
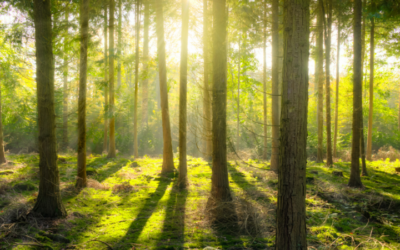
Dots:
pixel 2 155
pixel 65 87
pixel 119 44
pixel 206 90
pixel 291 211
pixel 135 124
pixel 371 89
pixel 320 79
pixel 275 86
pixel 183 96
pixel 355 180
pixel 48 202
pixel 145 61
pixel 111 149
pixel 81 180
pixel 105 140
pixel 337 90
pixel 265 79
pixel 238 96
pixel 168 161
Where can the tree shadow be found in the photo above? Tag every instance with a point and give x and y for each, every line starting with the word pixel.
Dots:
pixel 143 216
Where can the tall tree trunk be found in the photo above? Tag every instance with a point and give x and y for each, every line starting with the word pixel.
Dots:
pixel 355 180
pixel 135 125
pixel 371 90
pixel 328 34
pixel 362 141
pixel 145 83
pixel 320 80
pixel 220 191
pixel 81 180
pixel 65 87
pixel 265 80
pixel 106 114
pixel 168 161
pixel 111 149
pixel 291 212
pixel 183 96
pixel 119 45
pixel 337 91
pixel 2 154
pixel 275 86
pixel 238 98
pixel 48 203
pixel 206 90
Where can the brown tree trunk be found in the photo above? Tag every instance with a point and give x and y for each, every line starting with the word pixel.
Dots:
pixel 111 150
pixel 371 90
pixel 2 154
pixel 119 45
pixel 48 203
pixel 65 88
pixel 337 91
pixel 291 211
pixel 168 157
pixel 320 80
pixel 355 180
pixel 362 141
pixel 238 98
pixel 265 81
pixel 183 96
pixel 364 171
pixel 206 91
pixel 81 180
pixel 135 124
pixel 145 83
pixel 106 114
pixel 275 86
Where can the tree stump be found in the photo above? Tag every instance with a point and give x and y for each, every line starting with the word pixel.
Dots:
pixel 338 173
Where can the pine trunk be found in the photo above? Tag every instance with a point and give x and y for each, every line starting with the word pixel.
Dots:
pixel 135 125
pixel 337 91
pixel 65 88
pixel 81 180
pixel 168 161
pixel 371 90
pixel 265 151
pixel 106 114
pixel 145 82
pixel 291 212
pixel 207 120
pixel 275 86
pixel 238 99
pixel 183 96
pixel 111 150
pixel 2 154
pixel 119 45
pixel 355 180
pixel 320 80
pixel 48 203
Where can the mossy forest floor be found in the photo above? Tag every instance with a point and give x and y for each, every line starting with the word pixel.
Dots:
pixel 128 205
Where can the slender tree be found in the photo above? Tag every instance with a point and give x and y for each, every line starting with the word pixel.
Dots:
pixel 275 86
pixel 183 96
pixel 135 125
pixel 48 203
pixel 337 89
pixel 2 154
pixel 291 211
pixel 81 180
pixel 206 90
pixel 106 114
pixel 362 141
pixel 168 161
pixel 238 95
pixel 355 180
pixel 65 85
pixel 119 44
pixel 265 79
pixel 111 149
pixel 145 61
pixel 320 79
pixel 371 89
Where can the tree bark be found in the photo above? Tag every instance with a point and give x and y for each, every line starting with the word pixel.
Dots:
pixel 106 114
pixel 168 161
pixel 291 211
pixel 265 151
pixel 238 98
pixel 183 96
pixel 65 87
pixel 207 120
pixel 119 45
pixel 81 180
pixel 337 91
pixel 371 90
pixel 355 180
pixel 111 150
pixel 362 141
pixel 320 80
pixel 275 86
pixel 48 203
pixel 2 154
pixel 145 83
pixel 135 124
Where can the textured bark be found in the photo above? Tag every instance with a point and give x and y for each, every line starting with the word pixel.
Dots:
pixel 145 83
pixel 371 90
pixel 275 86
pixel 168 161
pixel 220 191
pixel 2 154
pixel 291 211
pixel 238 98
pixel 48 202
pixel 337 91
pixel 183 96
pixel 135 117
pixel 81 180
pixel 265 151
pixel 105 140
pixel 207 120
pixel 364 171
pixel 355 180
pixel 320 80
pixel 119 44
pixel 362 141
pixel 65 88
pixel 111 149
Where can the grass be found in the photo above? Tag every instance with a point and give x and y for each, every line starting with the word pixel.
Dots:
pixel 128 205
